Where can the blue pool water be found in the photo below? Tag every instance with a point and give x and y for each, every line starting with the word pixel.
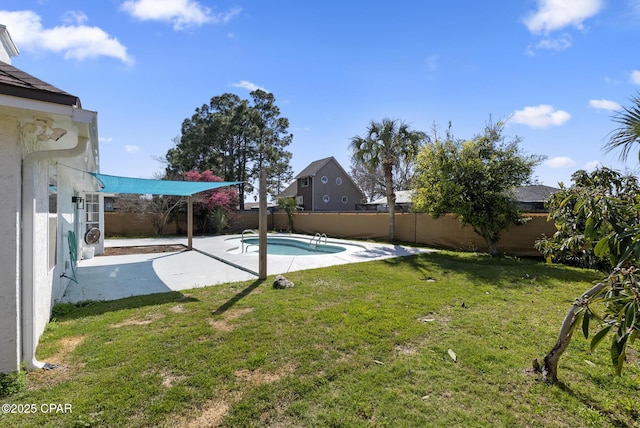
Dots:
pixel 291 247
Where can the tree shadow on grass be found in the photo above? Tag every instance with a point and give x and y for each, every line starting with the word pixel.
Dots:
pixel 235 299
pixel 70 311
pixel 502 271
pixel 590 403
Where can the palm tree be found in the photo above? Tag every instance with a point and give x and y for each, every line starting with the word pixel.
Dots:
pixel 385 144
pixel 628 133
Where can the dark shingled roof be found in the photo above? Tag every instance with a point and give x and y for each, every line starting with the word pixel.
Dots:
pixel 534 193
pixel 314 167
pixel 290 191
pixel 17 83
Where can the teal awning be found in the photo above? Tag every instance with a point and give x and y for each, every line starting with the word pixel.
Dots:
pixel 145 186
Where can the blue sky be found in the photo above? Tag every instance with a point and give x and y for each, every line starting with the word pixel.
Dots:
pixel 556 69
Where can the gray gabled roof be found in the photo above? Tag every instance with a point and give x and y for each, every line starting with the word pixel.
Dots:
pixel 534 193
pixel 402 197
pixel 290 191
pixel 17 83
pixel 314 167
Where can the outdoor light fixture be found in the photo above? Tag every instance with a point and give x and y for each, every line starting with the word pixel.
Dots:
pixel 78 201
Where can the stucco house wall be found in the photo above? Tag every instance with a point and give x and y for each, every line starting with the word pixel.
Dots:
pixel 10 249
pixel 47 141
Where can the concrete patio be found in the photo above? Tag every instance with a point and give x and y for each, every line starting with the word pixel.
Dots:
pixel 214 260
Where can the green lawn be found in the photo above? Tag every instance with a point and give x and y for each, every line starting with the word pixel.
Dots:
pixel 367 344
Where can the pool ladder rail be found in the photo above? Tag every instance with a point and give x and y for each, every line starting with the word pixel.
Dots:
pixel 242 239
pixel 317 238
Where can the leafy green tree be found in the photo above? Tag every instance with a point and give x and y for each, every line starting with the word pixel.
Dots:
pixel 474 180
pixel 600 216
pixel 576 236
pixel 385 145
pixel 628 132
pixel 233 138
pixel 598 221
pixel 270 136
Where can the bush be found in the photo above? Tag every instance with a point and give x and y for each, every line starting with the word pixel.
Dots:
pixel 12 383
pixel 217 220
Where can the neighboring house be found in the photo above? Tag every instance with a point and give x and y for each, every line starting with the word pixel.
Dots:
pixel 47 141
pixel 403 203
pixel 533 198
pixel 324 186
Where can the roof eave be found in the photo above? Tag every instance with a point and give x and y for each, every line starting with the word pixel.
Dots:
pixel 40 95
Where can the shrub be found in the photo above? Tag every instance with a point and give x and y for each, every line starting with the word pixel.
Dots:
pixel 12 383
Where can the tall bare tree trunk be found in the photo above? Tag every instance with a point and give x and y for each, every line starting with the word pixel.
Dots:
pixel 391 198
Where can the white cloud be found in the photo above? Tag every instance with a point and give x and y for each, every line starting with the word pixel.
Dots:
pixel 74 17
pixel 554 15
pixel 105 139
pixel 558 44
pixel 560 162
pixel 540 116
pixel 181 13
pixel 635 77
pixel 590 166
pixel 604 104
pixel 131 149
pixel 72 41
pixel 248 85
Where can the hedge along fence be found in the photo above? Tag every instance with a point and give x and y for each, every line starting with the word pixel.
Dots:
pixel 419 228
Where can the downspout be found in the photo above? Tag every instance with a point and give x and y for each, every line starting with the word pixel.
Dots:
pixel 29 340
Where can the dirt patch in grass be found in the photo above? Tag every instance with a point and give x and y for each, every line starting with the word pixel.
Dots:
pixel 143 249
pixel 169 379
pixel 178 309
pixel 209 415
pixel 137 321
pixel 259 377
pixel 405 349
pixel 62 371
pixel 67 345
pixel 223 325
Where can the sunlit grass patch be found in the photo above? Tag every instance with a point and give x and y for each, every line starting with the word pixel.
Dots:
pixel 368 344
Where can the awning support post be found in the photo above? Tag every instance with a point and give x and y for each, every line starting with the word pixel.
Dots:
pixel 190 223
pixel 262 227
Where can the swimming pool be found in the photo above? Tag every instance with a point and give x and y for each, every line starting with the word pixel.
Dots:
pixel 282 246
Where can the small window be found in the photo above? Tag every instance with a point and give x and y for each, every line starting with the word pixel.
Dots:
pixel 325 199
pixel 304 182
pixel 324 179
pixel 345 199
pixel 339 181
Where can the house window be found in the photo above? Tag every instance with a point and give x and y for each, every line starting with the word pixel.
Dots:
pixel 324 179
pixel 338 181
pixel 304 182
pixel 92 207
pixel 345 199
pixel 325 199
